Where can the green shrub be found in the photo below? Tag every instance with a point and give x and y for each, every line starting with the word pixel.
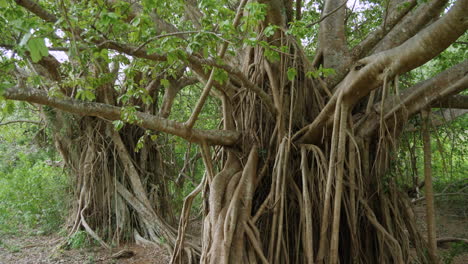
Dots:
pixel 80 239
pixel 32 194
pixel 456 249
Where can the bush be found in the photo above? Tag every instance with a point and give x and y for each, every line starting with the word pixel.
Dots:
pixel 32 194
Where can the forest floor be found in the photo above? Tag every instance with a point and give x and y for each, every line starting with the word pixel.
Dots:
pixel 28 248
pixel 451 221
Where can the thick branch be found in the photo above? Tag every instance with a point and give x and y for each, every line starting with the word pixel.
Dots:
pixel 35 8
pixel 171 92
pixel 411 24
pixel 418 97
pixel 153 122
pixel 454 101
pixel 439 119
pixel 332 34
pixel 370 72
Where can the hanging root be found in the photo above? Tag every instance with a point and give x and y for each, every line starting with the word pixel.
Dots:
pixel 177 255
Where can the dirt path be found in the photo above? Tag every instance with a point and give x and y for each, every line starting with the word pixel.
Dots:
pixel 27 249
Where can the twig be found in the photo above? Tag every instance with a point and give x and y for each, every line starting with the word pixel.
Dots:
pixel 176 34
pixel 438 195
pixel 443 240
pixel 20 121
pixel 327 15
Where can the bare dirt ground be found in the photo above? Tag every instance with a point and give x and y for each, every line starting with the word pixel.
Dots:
pixel 27 249
pixel 452 221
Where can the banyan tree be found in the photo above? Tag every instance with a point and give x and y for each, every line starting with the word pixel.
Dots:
pixel 312 103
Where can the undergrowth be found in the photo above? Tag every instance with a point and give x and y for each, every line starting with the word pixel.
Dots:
pixel 33 194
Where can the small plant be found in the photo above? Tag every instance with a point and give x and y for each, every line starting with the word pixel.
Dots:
pixel 91 260
pixel 79 240
pixel 456 249
pixel 11 248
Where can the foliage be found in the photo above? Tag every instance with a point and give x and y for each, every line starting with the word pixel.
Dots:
pixel 80 239
pixel 33 194
pixel 456 249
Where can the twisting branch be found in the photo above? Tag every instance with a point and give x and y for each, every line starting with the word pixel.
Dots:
pixel 109 112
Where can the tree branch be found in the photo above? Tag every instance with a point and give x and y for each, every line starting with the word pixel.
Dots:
pixel 373 38
pixel 439 195
pixel 418 97
pixel 444 240
pixel 147 121
pixel 454 101
pixel 411 25
pixel 211 80
pixel 332 35
pixel 35 8
pixel 266 98
pixel 20 121
pixel 370 72
pixel 439 119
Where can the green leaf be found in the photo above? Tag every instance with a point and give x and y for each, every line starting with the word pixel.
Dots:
pixel 328 71
pixel 37 48
pixel 165 83
pixel 85 95
pixel 220 75
pixel 118 124
pixel 270 30
pixel 271 55
pixel 25 39
pixel 292 74
pixel 7 107
pixel 140 144
pixel 312 74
